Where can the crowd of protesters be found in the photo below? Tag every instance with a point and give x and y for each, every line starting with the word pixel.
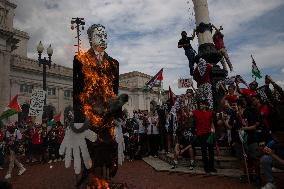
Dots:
pixel 248 120
pixel 28 143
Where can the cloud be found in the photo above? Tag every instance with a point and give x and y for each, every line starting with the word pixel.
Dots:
pixel 143 34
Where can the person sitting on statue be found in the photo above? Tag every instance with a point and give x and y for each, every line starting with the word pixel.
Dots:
pixel 184 43
pixel 96 106
pixel 218 39
pixel 202 75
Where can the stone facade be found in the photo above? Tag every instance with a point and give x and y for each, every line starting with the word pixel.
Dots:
pixel 20 74
pixel 133 83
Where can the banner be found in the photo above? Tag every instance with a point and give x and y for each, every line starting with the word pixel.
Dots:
pixel 261 92
pixel 37 102
pixel 185 83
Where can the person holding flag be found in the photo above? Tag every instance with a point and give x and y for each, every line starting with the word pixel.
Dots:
pixel 13 136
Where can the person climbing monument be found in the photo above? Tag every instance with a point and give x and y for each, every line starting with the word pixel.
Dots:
pixel 184 43
pixel 218 39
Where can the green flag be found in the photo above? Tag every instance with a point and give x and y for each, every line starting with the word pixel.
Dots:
pixel 254 69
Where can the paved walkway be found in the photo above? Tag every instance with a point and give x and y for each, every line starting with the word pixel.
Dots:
pixel 160 165
pixel 136 174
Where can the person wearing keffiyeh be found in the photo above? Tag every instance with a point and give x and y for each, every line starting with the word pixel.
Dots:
pixel 202 75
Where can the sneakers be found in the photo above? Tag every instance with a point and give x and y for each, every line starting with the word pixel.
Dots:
pixel 191 165
pixel 55 161
pixel 22 170
pixel 8 176
pixel 269 185
pixel 175 164
pixel 1 168
pixel 50 161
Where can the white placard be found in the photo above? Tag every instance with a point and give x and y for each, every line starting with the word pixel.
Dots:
pixel 37 102
pixel 185 83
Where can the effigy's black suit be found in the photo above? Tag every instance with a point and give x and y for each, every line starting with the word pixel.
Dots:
pixel 104 151
pixel 79 83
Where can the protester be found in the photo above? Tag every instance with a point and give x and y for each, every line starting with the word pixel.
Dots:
pixel 51 144
pixel 247 121
pixel 274 157
pixel 186 139
pixel 59 138
pixel 37 143
pixel 184 43
pixel 153 134
pixel 204 127
pixel 218 39
pixel 13 136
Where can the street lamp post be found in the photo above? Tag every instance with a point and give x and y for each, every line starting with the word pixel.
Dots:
pixel 45 62
pixel 76 23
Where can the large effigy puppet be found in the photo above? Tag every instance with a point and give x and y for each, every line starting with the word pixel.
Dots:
pixel 90 139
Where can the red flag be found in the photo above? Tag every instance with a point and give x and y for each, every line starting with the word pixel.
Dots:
pixel 160 76
pixel 57 117
pixel 172 97
pixel 14 104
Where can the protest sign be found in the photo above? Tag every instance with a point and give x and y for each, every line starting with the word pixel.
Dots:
pixel 37 102
pixel 184 83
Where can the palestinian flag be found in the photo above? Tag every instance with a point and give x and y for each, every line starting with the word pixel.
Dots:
pixel 254 69
pixel 155 81
pixel 12 108
pixel 172 97
pixel 57 117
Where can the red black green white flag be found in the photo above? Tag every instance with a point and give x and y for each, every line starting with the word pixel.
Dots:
pixel 13 108
pixel 254 69
pixel 172 97
pixel 155 81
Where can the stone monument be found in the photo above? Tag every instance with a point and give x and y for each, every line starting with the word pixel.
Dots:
pixel 206 48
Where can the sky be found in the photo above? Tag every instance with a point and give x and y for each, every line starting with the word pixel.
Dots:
pixel 143 34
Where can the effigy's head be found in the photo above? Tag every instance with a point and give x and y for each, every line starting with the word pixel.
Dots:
pixel 97 37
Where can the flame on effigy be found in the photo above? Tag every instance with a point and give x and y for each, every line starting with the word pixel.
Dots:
pixel 97 81
pixel 97 183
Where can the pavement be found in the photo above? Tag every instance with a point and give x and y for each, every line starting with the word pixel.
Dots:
pixel 150 173
pixel 160 165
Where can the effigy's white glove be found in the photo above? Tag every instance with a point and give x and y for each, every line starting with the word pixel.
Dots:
pixel 73 145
